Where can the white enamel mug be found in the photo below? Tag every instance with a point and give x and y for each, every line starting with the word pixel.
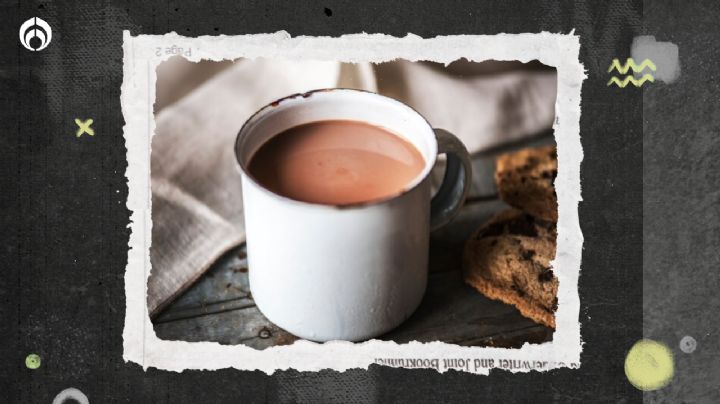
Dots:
pixel 350 272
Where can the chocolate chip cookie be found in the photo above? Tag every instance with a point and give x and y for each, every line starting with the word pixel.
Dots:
pixel 526 180
pixel 508 259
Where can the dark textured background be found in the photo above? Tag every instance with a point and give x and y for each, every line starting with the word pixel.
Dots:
pixel 681 203
pixel 63 202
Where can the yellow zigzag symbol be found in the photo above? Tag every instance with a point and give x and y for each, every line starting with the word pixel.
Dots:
pixel 630 64
pixel 630 79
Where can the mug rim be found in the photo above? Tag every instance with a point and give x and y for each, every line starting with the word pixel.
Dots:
pixel 350 206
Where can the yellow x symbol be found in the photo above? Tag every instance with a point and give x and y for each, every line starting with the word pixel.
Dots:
pixel 84 127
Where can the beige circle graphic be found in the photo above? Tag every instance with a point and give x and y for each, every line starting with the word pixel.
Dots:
pixel 649 365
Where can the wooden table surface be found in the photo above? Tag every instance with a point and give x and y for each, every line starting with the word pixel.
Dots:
pixel 220 308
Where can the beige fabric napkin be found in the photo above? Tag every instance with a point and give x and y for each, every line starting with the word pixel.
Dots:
pixel 196 195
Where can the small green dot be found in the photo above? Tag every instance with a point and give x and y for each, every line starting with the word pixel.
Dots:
pixel 32 361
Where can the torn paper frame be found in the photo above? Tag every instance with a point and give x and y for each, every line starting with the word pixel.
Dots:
pixel 142 55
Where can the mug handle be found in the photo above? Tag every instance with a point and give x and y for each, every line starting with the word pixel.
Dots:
pixel 448 200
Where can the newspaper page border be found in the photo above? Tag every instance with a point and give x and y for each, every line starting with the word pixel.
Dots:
pixel 143 53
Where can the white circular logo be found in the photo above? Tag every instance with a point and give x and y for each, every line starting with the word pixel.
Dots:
pixel 35 34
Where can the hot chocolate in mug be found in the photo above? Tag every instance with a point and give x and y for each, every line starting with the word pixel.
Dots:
pixel 345 272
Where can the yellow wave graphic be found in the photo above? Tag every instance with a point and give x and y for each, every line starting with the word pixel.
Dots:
pixel 630 64
pixel 631 79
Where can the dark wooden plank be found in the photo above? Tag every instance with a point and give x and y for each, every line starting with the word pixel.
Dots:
pixel 454 312
pixel 226 280
pixel 180 313
pixel 245 326
pixel 450 312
